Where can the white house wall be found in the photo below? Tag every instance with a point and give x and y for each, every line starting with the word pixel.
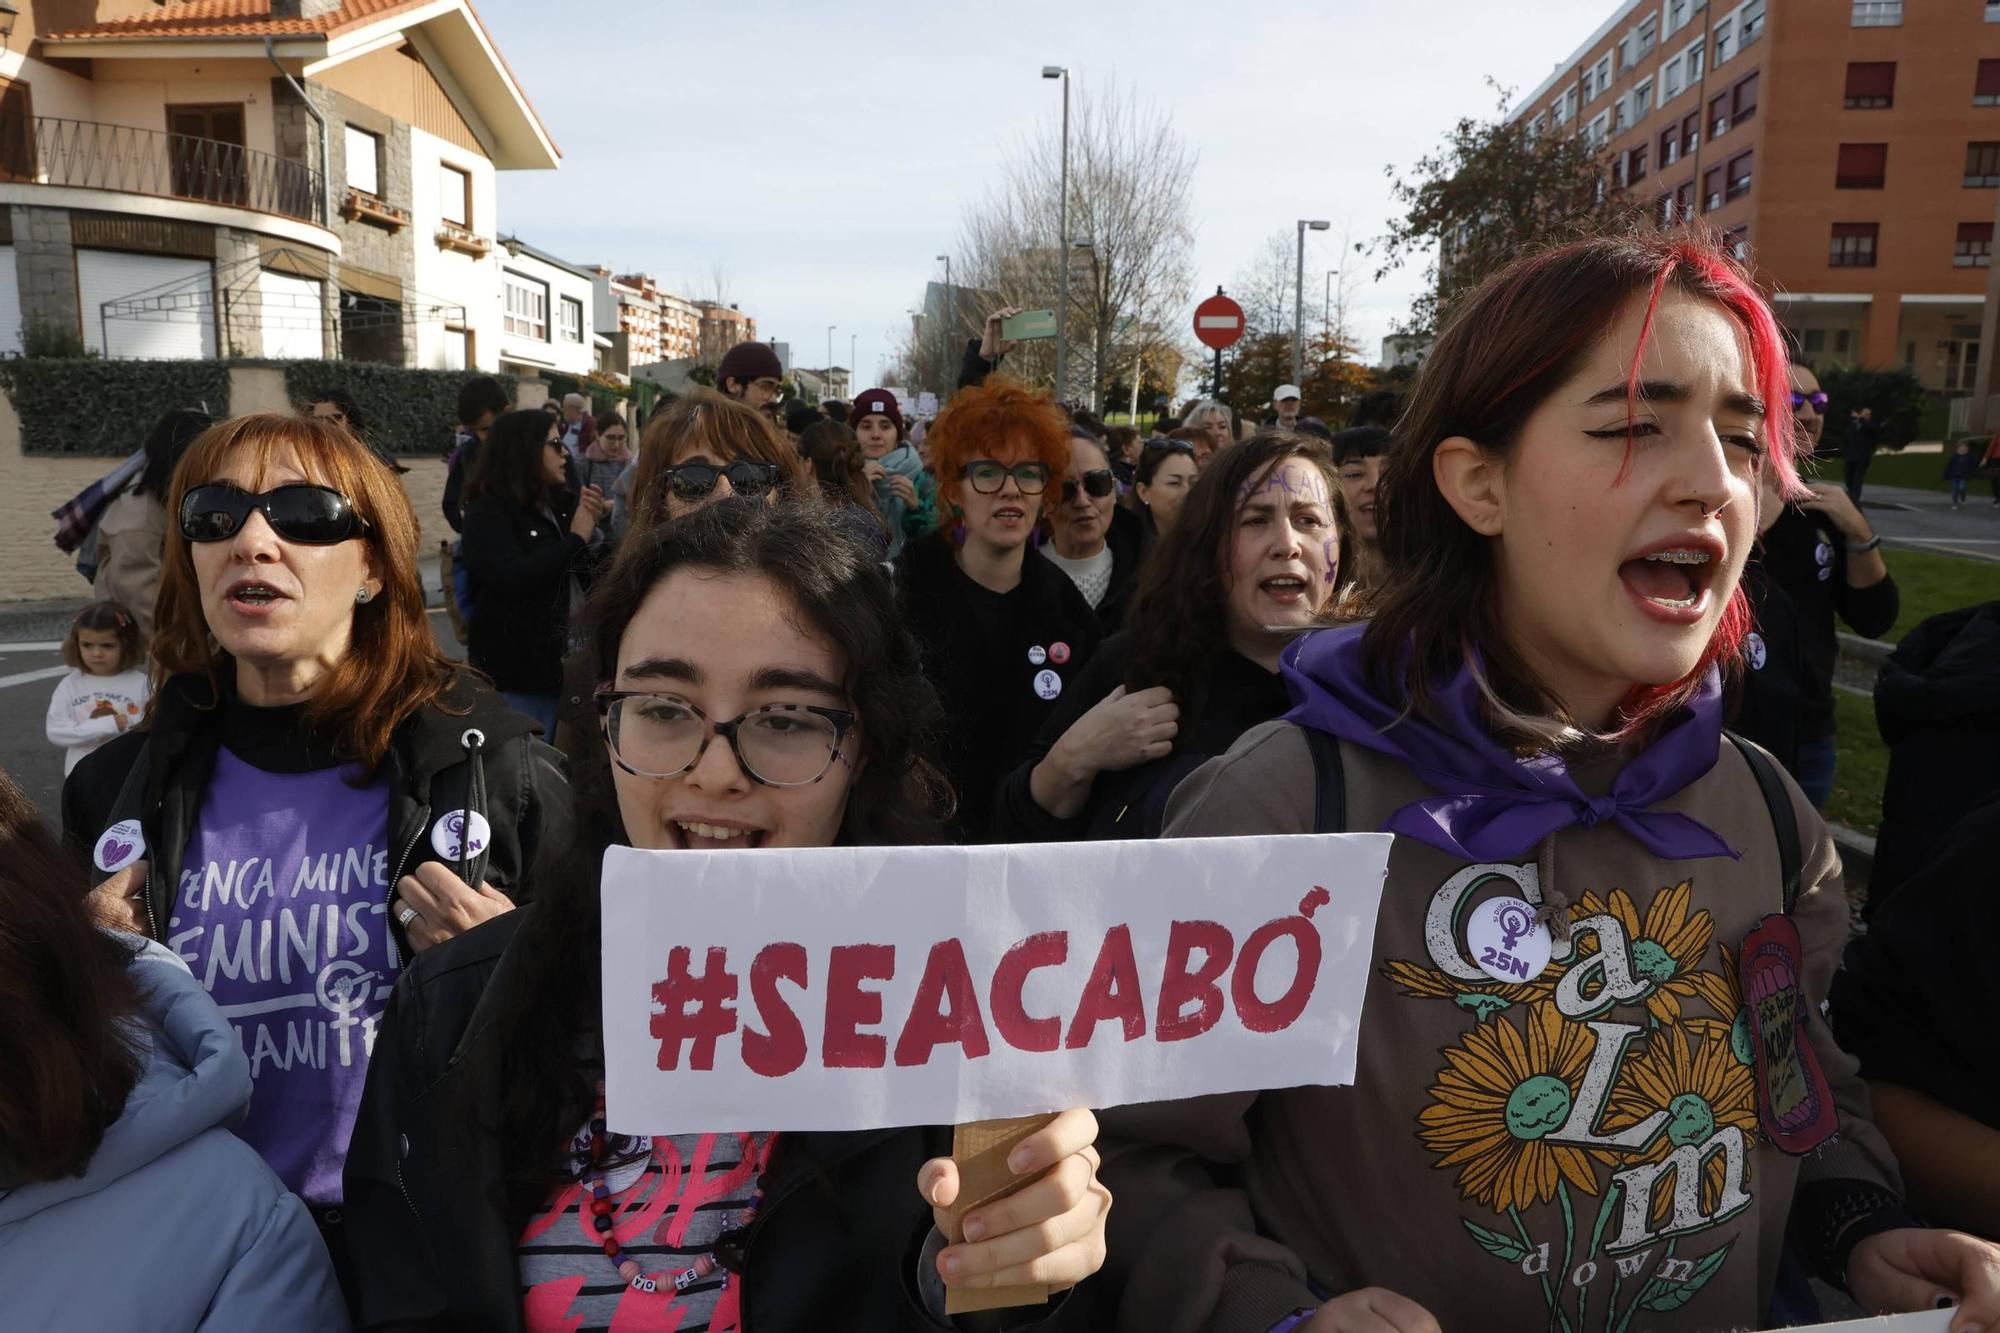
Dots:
pixel 571 358
pixel 448 275
pixel 138 92
pixel 55 93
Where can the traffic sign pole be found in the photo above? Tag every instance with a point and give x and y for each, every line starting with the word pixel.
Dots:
pixel 1218 323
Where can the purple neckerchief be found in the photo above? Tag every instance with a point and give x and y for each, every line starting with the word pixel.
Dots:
pixel 1491 806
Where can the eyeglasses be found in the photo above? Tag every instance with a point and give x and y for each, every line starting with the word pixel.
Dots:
pixel 1096 483
pixel 693 481
pixel 306 514
pixel 1818 401
pixel 989 475
pixel 1170 447
pixel 779 745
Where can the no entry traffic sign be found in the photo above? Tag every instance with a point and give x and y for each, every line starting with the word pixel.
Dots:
pixel 1218 321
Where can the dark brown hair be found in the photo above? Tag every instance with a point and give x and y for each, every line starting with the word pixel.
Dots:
pixel 102 616
pixel 1511 344
pixel 713 426
pixel 1178 616
pixel 512 465
pixel 67 1003
pixel 838 465
pixel 393 667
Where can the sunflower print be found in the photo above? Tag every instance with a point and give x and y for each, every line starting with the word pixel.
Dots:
pixel 1667 949
pixel 1704 1088
pixel 1482 998
pixel 1498 1097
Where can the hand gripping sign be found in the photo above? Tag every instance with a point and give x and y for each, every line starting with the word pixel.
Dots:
pixel 863 988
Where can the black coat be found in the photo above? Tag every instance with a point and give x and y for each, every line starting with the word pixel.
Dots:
pixel 429 769
pixel 1765 698
pixel 1807 556
pixel 835 1245
pixel 1133 804
pixel 979 651
pixel 521 565
pixel 1937 704
pixel 1127 539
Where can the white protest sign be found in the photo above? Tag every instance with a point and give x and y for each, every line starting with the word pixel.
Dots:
pixel 853 988
pixel 1924 1321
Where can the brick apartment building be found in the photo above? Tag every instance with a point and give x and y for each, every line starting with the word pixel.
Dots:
pixel 1851 149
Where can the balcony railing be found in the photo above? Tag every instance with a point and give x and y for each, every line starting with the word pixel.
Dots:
pixel 93 156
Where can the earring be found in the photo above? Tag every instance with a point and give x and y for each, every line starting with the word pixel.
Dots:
pixel 362 595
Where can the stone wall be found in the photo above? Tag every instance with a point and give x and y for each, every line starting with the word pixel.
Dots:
pixel 46 262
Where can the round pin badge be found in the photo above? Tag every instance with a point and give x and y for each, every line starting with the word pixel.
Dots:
pixel 1505 940
pixel 1048 684
pixel 1823 557
pixel 1059 653
pixel 1038 655
pixel 1755 652
pixel 119 846
pixel 448 831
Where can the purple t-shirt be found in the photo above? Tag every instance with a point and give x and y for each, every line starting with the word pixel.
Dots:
pixel 282 913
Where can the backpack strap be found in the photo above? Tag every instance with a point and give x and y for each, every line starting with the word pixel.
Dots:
pixel 1784 819
pixel 1329 781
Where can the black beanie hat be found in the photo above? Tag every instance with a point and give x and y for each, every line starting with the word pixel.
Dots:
pixel 747 362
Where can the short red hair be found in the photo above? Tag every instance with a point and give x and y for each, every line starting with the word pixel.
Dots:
pixel 994 419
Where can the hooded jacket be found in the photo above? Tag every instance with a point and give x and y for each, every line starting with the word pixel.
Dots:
pixel 1579 1145
pixel 1937 702
pixel 177 1224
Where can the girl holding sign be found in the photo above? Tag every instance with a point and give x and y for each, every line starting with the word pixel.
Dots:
pixel 758 692
pixel 1593 1084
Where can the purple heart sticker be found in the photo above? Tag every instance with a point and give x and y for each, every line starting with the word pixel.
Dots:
pixel 117 852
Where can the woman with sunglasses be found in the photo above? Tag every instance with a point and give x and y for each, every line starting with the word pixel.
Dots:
pixel 1004 632
pixel 526 536
pixel 759 693
pixel 1166 470
pixel 1258 556
pixel 706 448
pixel 1093 539
pixel 311 759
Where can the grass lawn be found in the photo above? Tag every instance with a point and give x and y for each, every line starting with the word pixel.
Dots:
pixel 1861 768
pixel 1923 472
pixel 1929 583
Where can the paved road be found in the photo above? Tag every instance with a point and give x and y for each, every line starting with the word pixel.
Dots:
pixel 30 665
pixel 1925 520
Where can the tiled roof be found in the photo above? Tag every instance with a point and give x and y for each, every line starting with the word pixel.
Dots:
pixel 232 18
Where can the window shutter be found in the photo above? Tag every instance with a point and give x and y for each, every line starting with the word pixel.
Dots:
pixel 1862 166
pixel 1873 82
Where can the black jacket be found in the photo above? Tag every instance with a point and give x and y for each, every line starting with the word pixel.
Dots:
pixel 1937 704
pixel 521 565
pixel 1765 697
pixel 1133 804
pixel 1127 540
pixel 979 650
pixel 434 1230
pixel 1807 556
pixel 430 769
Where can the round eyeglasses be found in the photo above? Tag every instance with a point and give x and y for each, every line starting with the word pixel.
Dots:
pixel 778 745
pixel 988 475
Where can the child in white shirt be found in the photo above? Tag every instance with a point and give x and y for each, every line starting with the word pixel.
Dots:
pixel 105 691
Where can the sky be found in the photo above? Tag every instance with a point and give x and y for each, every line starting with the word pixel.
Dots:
pixel 820 155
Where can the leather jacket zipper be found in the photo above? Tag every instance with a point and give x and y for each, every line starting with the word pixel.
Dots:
pixel 389 903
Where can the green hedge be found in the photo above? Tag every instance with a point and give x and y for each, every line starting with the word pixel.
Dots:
pixel 409 411
pixel 104 408
pixel 93 407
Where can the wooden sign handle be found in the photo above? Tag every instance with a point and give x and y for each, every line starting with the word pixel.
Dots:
pixel 980 1151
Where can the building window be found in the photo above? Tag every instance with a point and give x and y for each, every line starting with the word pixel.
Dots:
pixel 1862 166
pixel 1649 37
pixel 1750 23
pixel 1672 80
pixel 1558 114
pixel 1642 100
pixel 1878 14
pixel 1982 165
pixel 1569 103
pixel 570 319
pixel 1975 245
pixel 1737 242
pixel 457 348
pixel 1745 96
pixel 1690 132
pixel 1635 165
pixel 1604 73
pixel 527 314
pixel 1694 59
pixel 1813 340
pixel 1618 115
pixel 1993 11
pixel 1677 15
pixel 1739 175
pixel 1711 189
pixel 1718 116
pixel 1725 40
pixel 1871 84
pixel 1670 147
pixel 1986 91
pixel 1590 85
pixel 364 161
pixel 455 195
pixel 1600 129
pixel 1853 245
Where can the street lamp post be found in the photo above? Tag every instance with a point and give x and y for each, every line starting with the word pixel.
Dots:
pixel 829 349
pixel 852 340
pixel 1062 242
pixel 1299 304
pixel 949 322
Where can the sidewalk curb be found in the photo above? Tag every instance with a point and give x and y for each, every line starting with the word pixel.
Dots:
pixel 1868 650
pixel 1857 851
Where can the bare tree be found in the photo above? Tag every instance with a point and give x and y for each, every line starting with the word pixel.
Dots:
pixel 1130 193
pixel 1263 286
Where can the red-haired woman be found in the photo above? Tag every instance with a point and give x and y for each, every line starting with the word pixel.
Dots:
pixel 1002 635
pixel 318 790
pixel 1593 1086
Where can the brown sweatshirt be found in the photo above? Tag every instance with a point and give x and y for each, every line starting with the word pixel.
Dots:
pixel 1579 1151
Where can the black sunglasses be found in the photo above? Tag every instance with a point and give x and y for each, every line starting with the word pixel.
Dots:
pixel 299 512
pixel 1096 483
pixel 1170 447
pixel 692 481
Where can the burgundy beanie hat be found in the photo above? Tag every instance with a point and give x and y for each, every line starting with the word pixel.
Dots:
pixel 747 362
pixel 876 402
